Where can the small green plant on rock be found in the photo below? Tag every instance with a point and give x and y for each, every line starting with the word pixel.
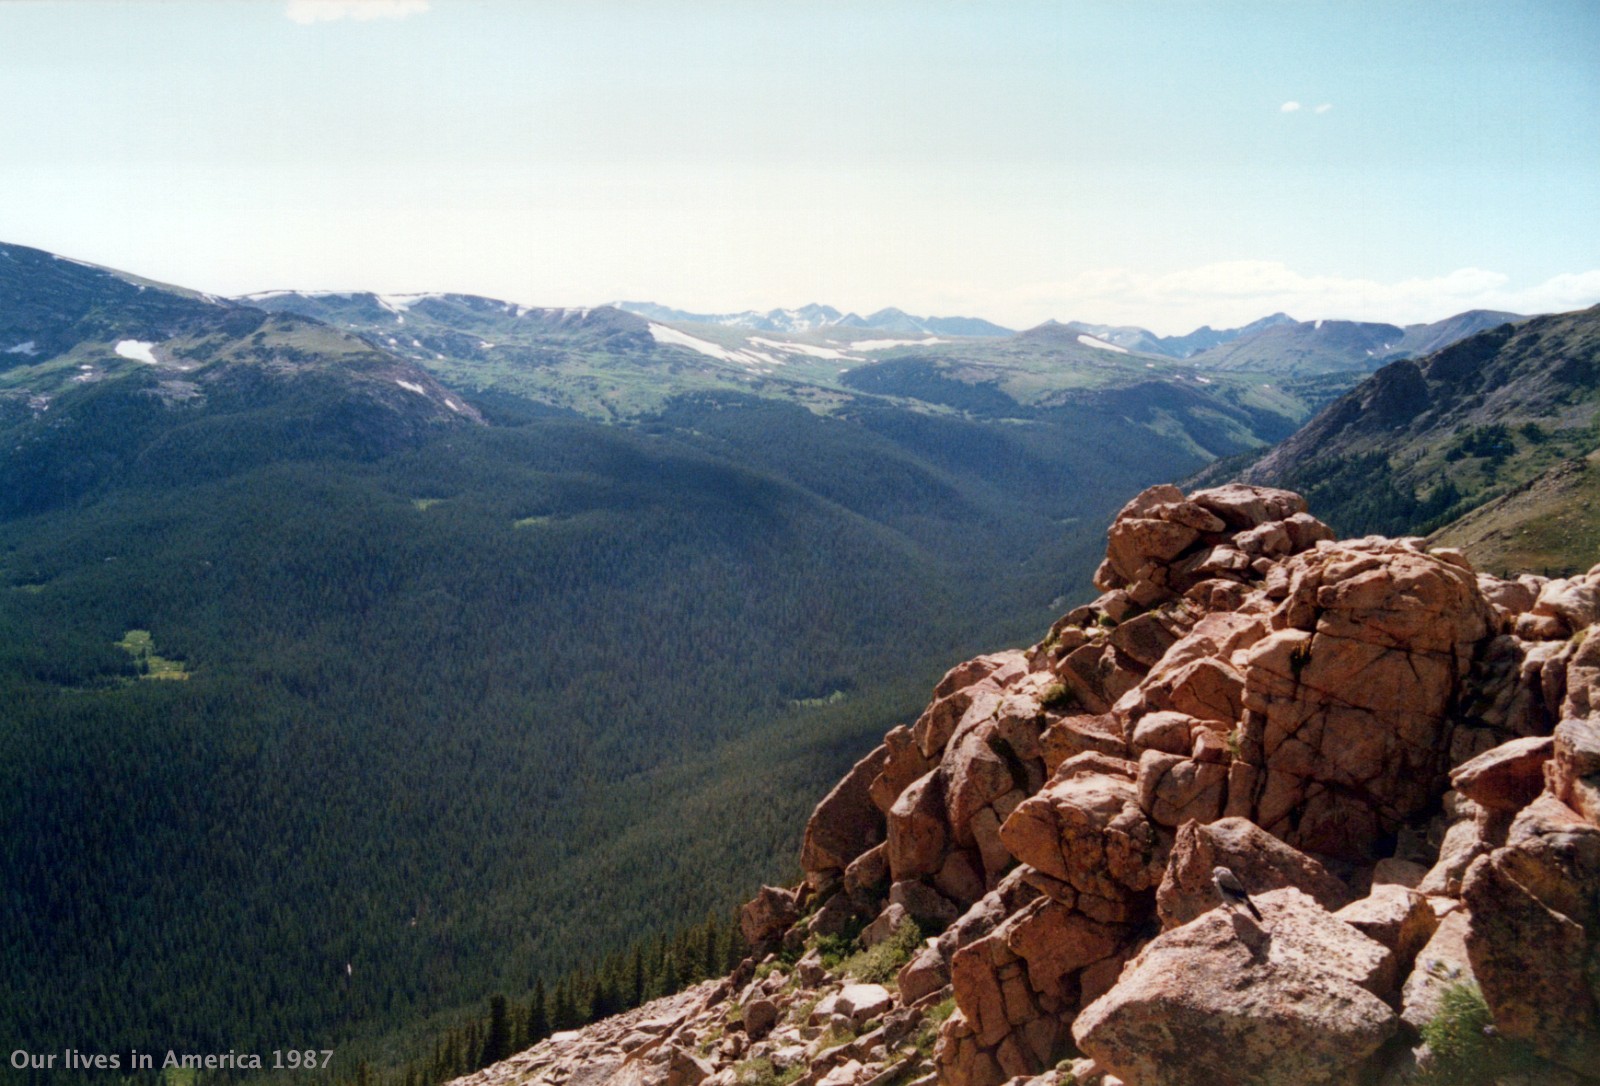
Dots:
pixel 766 969
pixel 1057 696
pixel 1234 740
pixel 800 1013
pixel 1463 1047
pixel 833 949
pixel 881 964
pixel 835 1036
pixel 760 1072
pixel 938 1014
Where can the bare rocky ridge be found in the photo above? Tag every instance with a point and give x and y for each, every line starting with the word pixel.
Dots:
pixel 1397 755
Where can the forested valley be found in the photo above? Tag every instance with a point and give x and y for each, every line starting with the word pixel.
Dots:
pixel 321 745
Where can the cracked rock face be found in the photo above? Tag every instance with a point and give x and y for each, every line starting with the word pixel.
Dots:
pixel 1348 699
pixel 1397 756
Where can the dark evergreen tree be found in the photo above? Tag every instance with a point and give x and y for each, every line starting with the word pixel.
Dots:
pixel 538 1015
pixel 637 978
pixel 497 1037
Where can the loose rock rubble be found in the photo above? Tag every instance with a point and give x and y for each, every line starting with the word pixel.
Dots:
pixel 1399 757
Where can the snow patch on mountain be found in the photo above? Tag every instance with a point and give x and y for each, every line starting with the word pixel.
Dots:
pixel 673 338
pixel 138 350
pixel 1090 341
pixel 885 344
pixel 398 303
pixel 805 348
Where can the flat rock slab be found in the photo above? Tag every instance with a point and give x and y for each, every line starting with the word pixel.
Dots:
pixel 1224 1000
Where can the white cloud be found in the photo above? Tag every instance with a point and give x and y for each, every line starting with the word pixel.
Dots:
pixel 306 12
pixel 1289 107
pixel 1324 107
pixel 1233 293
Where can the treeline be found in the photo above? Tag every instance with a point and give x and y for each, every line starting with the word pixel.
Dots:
pixel 1363 494
pixel 647 970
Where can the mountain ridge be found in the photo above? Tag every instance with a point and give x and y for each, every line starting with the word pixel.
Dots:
pixel 813 317
pixel 1422 445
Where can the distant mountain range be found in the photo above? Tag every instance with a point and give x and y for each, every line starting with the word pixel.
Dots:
pixel 811 318
pixel 1305 348
pixel 1278 342
pixel 1147 342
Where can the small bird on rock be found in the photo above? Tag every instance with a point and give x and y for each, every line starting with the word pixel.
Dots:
pixel 1232 891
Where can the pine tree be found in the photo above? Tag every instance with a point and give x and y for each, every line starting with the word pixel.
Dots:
pixel 497 1040
pixel 538 1015
pixel 637 979
pixel 563 1010
pixel 711 960
pixel 671 979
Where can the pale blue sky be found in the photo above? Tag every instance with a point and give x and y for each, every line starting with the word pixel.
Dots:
pixel 1118 162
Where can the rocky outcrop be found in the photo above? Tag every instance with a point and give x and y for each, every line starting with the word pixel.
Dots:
pixel 1396 755
pixel 1301 998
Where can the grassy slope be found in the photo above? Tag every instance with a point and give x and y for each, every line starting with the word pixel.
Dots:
pixel 1550 524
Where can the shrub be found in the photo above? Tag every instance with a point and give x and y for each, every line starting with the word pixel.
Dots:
pixel 833 949
pixel 1057 696
pixel 760 1072
pixel 882 963
pixel 1463 1047
pixel 928 1035
pixel 835 1036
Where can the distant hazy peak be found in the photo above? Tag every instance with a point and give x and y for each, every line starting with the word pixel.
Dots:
pixel 811 317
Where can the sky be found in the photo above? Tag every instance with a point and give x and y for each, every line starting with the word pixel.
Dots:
pixel 1160 164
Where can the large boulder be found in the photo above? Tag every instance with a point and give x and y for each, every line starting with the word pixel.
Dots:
pixel 845 824
pixel 1442 963
pixel 1573 771
pixel 1162 544
pixel 1534 933
pixel 1244 507
pixel 1260 860
pixel 768 916
pixel 1395 916
pixel 1018 986
pixel 1507 778
pixel 1582 684
pixel 903 763
pixel 1081 734
pixel 917 832
pixel 1085 829
pixel 1297 1000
